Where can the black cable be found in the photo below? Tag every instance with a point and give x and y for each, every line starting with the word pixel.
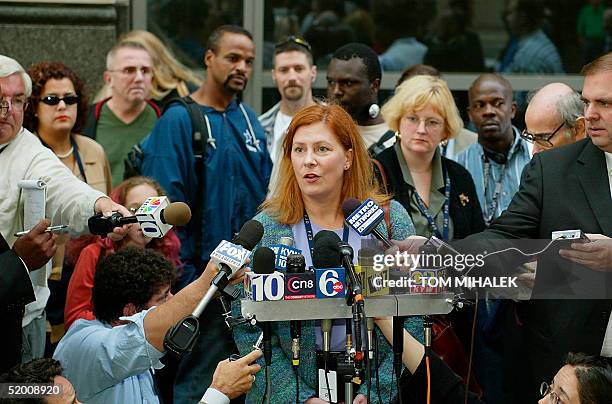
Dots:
pixel 326 358
pixel 380 400
pixel 297 385
pixel 263 399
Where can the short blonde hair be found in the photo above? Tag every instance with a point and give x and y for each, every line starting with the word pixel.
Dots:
pixel 285 204
pixel 416 94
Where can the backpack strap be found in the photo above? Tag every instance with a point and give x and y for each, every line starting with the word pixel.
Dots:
pixel 200 136
pixel 385 188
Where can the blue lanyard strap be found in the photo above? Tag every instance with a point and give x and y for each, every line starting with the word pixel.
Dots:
pixel 492 207
pixel 77 157
pixel 425 212
pixel 310 234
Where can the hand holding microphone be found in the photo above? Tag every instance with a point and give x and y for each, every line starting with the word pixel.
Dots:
pixel 156 217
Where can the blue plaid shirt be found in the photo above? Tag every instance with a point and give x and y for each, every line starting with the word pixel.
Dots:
pixel 473 159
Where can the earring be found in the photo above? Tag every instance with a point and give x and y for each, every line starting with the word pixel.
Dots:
pixel 398 135
pixel 346 167
pixel 374 111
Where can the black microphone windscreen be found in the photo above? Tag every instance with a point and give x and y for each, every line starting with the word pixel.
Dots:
pixel 349 206
pixel 250 234
pixel 263 261
pixel 326 253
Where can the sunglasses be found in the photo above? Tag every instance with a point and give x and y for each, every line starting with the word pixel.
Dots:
pixel 296 40
pixel 54 99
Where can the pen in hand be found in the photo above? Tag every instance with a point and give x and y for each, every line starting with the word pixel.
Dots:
pixel 51 229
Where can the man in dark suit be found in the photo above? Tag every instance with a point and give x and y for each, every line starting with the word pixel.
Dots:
pixel 563 189
pixel 30 252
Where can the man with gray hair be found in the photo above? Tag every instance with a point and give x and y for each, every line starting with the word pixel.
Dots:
pixel 554 117
pixel 127 116
pixel 68 201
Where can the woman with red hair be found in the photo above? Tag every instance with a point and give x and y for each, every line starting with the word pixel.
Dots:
pixel 131 193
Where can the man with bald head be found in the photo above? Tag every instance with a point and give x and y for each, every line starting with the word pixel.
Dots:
pixel 554 117
pixel 497 160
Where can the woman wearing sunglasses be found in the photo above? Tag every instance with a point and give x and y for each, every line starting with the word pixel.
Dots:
pixel 56 113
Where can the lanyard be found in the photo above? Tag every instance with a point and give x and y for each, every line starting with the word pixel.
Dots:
pixel 430 219
pixel 77 155
pixel 492 207
pixel 310 235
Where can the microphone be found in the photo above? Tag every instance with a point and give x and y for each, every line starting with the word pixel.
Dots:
pixel 299 283
pixel 283 249
pixel 364 218
pixel 296 264
pixel 181 338
pixel 156 217
pixel 347 262
pixel 326 259
pixel 264 283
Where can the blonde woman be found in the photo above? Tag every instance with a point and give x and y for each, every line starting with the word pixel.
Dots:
pixel 438 193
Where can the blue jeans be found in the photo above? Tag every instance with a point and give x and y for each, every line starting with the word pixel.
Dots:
pixel 34 338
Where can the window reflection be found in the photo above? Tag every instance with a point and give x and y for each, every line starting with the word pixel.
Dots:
pixel 185 24
pixel 510 36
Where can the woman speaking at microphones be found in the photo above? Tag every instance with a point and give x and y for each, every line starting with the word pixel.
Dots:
pixel 324 162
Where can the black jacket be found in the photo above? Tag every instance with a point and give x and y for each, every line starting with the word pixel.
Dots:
pixel 561 189
pixel 465 213
pixel 15 292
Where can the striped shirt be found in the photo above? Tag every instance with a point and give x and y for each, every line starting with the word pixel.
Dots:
pixel 535 54
pixel 473 159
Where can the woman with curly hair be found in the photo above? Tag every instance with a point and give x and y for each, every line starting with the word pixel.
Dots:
pixel 131 193
pixel 57 113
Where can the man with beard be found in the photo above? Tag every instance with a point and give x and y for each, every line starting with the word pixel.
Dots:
pixel 495 163
pixel 293 74
pixel 353 80
pixel 224 187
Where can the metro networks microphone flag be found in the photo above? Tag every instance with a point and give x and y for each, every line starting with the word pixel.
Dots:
pixel 366 217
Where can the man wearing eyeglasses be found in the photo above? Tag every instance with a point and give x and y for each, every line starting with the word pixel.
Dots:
pixel 293 74
pixel 68 201
pixel 127 116
pixel 554 117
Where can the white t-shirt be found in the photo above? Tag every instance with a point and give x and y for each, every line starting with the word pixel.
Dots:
pixel 372 133
pixel 280 128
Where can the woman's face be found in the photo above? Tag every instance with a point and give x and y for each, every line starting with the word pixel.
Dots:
pixel 422 131
pixel 319 160
pixel 62 116
pixel 133 200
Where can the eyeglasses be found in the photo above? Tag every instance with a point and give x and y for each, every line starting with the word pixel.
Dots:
pixel 542 139
pixel 54 99
pixel 431 125
pixel 546 389
pixel 296 40
pixel 132 70
pixel 4 108
pixel 17 103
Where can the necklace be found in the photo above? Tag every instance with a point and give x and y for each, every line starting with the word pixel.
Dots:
pixel 63 156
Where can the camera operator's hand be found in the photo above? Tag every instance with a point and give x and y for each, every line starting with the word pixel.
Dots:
pixel 106 206
pixel 36 247
pixel 234 378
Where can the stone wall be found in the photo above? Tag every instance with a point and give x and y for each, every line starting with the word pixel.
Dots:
pixel 78 35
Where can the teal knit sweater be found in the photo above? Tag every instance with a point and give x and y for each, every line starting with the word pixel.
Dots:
pixel 281 372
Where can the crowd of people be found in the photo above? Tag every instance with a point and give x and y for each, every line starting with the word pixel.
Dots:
pixel 100 306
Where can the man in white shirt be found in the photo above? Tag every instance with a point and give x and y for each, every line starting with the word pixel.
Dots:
pixel 293 74
pixel 68 201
